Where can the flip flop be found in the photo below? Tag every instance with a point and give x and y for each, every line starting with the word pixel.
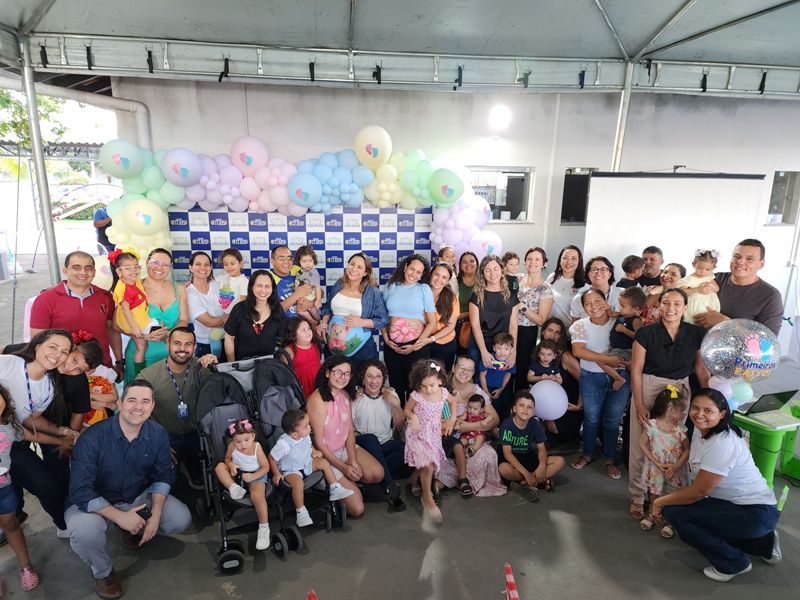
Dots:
pixel 636 510
pixel 580 462
pixel 465 488
pixel 667 532
pixel 612 471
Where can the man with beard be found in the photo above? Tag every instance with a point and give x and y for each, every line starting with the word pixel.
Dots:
pixel 653 258
pixel 175 382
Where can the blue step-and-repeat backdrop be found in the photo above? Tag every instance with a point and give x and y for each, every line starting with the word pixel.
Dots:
pixel 385 234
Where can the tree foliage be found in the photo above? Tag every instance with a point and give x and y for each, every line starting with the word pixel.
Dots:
pixel 14 118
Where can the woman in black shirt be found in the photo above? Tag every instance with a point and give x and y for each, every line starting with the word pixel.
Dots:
pixel 255 326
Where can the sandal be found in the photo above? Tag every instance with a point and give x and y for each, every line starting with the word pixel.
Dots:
pixel 636 510
pixel 465 488
pixel 580 462
pixel 416 489
pixel 612 471
pixel 28 579
pixel 549 486
pixel 646 524
pixel 667 532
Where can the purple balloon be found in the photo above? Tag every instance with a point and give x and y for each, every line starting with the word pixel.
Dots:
pixel 230 176
pixel 181 167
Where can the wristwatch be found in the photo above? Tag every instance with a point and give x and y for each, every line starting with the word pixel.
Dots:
pixel 433 337
pixel 120 362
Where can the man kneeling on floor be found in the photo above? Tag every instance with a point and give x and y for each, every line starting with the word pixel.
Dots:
pixel 122 472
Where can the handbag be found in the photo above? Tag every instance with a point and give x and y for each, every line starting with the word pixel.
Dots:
pixel 464 334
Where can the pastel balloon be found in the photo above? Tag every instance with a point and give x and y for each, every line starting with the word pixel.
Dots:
pixel 262 177
pixel 412 157
pixel 322 172
pixel 134 185
pixel 424 169
pixel 409 180
pixel 551 400
pixel 306 166
pixel 280 196
pixel 741 392
pixel 343 174
pixel 485 242
pixel 249 189
pixel 265 202
pixel 386 174
pixel 722 385
pixel 222 161
pixel 231 175
pixel 102 272
pixel 398 161
pixel 408 202
pixel 362 176
pixel 249 154
pixel 195 193
pixel 181 167
pixel 172 193
pixel 121 159
pixel 294 210
pixel 144 217
pixel 152 177
pixel 373 146
pixel 347 159
pixel 208 164
pixel 238 204
pixel 445 187
pixel 148 159
pixel 329 160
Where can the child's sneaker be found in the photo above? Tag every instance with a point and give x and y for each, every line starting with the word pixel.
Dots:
pixel 262 541
pixel 339 492
pixel 303 518
pixel 236 491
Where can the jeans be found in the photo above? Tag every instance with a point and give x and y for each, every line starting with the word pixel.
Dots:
pixel 187 451
pixel 87 531
pixel 725 532
pixel 390 454
pixel 47 478
pixel 602 407
pixel 445 353
pixel 399 367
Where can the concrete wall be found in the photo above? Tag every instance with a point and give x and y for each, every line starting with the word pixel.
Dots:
pixel 549 132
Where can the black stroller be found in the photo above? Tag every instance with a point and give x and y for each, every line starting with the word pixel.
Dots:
pixel 227 395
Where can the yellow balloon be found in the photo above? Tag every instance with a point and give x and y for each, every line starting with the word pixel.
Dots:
pixel 398 161
pixel 373 146
pixel 386 174
pixel 102 272
pixel 143 217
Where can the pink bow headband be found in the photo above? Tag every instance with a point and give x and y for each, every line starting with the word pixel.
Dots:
pixel 246 425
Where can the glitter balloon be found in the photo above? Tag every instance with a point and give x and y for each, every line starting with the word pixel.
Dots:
pixel 740 349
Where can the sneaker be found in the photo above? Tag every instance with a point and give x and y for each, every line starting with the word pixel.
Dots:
pixel 531 494
pixel 776 555
pixel 108 587
pixel 339 492
pixel 262 541
pixel 28 579
pixel 236 491
pixel 712 573
pixel 303 518
pixel 62 534
pixel 393 498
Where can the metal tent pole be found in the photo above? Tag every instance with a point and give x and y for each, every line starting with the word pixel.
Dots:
pixel 624 104
pixel 38 161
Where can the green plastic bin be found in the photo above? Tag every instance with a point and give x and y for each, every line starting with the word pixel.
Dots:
pixel 766 445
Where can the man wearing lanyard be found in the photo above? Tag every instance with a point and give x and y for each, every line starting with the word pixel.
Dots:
pixel 174 383
pixel 284 274
pixel 75 304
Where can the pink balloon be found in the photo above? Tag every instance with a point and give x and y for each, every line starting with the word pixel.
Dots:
pixel 224 189
pixel 227 199
pixel 265 202
pixel 214 196
pixel 208 205
pixel 279 196
pixel 272 181
pixel 283 180
pixel 235 192
pixel 288 169
pixel 230 175
pixel 274 161
pixel 208 164
pixel 222 161
pixel 253 206
pixel 249 154
pixel 195 193
pixel 293 210
pixel 262 176
pixel 238 205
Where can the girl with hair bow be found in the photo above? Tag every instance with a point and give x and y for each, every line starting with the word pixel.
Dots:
pixel 701 286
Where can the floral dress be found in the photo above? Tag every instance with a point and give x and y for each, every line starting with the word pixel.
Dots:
pixel 667 447
pixel 424 447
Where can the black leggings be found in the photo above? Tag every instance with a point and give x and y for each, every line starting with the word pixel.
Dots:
pixel 399 367
pixel 47 478
pixel 526 343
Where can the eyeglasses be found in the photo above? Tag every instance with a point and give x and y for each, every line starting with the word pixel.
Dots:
pixel 466 369
pixel 288 257
pixel 340 373
pixel 599 270
pixel 157 263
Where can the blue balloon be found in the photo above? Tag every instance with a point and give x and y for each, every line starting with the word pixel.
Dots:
pixel 355 199
pixel 306 166
pixel 329 160
pixel 326 189
pixel 305 189
pixel 363 176
pixel 353 188
pixel 334 182
pixel 344 175
pixel 322 172
pixel 317 207
pixel 348 159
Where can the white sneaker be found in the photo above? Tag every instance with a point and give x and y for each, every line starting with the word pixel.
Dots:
pixel 236 491
pixel 777 555
pixel 262 541
pixel 339 492
pixel 62 534
pixel 712 573
pixel 303 518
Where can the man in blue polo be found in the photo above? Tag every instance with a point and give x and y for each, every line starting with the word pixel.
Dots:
pixel 284 274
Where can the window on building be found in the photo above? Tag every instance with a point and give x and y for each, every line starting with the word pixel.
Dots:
pixel 785 198
pixel 575 198
pixel 508 190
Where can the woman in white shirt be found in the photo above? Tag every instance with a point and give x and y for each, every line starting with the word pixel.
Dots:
pixel 566 280
pixel 728 511
pixel 205 311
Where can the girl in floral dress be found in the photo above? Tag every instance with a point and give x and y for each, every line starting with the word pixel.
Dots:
pixel 425 428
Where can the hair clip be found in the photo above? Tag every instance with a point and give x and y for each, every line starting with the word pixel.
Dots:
pixel 673 391
pixel 232 428
pixel 713 253
pixel 81 336
pixel 435 366
pixel 246 425
pixel 113 254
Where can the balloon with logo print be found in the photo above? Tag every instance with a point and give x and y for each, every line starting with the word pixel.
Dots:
pixel 485 242
pixel 248 154
pixel 373 146
pixel 304 190
pixel 181 167
pixel 121 159
pixel 445 187
pixel 740 349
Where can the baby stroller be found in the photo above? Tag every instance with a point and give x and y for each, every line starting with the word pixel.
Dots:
pixel 225 396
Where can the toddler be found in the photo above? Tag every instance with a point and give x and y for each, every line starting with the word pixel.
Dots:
pixel 510 262
pixel 631 303
pixel 132 316
pixel 495 380
pixel 232 285
pixel 102 393
pixel 523 457
pixel 302 345
pixel 447 255
pixel 632 267
pixel 306 259
pixel 293 458
pixel 666 449
pixel 475 413
pixel 245 460
pixel 11 431
pixel 424 429
pixel 544 366
pixel 700 286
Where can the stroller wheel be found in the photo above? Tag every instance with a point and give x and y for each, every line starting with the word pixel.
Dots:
pixel 279 545
pixel 230 562
pixel 294 538
pixel 342 514
pixel 236 545
pixel 328 519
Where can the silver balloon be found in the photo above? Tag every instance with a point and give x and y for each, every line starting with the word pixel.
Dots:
pixel 740 349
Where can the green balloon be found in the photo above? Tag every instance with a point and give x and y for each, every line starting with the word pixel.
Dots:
pixel 134 185
pixel 408 180
pixel 147 158
pixel 445 187
pixel 171 193
pixel 152 177
pixel 157 198
pixel 413 156
pixel 121 158
pixel 424 171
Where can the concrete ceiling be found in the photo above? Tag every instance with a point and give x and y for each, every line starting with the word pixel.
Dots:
pixel 518 35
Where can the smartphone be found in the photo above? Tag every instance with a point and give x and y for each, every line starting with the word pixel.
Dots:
pixel 155 328
pixel 145 513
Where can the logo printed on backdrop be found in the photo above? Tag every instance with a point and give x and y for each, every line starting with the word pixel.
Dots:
pixel 384 276
pixel 374 258
pixel 181 240
pixel 240 241
pixel 352 222
pixel 370 223
pixel 316 241
pixel 220 239
pixel 178 221
pixel 334 259
pixel 352 241
pixel 296 239
pixel 405 222
pixel 332 276
pixel 198 221
pixel 257 222
pixel 259 240
pixel 370 241
pixel 333 222
pixel 423 221
pixel 259 259
pixel 277 239
pixel 296 223
pixel 388 222
pixel 388 241
pixel 201 241
pixel 315 222
pixel 218 221
pixel 180 258
pixel 276 222
pixel 387 261
pixel 422 242
pixel 238 221
pixel 334 241
pixel 405 241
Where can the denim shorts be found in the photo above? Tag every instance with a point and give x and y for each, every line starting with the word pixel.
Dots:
pixel 8 500
pixel 246 484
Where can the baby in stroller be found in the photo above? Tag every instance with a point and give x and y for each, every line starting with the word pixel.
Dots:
pixel 245 468
pixel 293 458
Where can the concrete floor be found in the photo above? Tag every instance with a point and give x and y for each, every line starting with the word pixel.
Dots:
pixel 575 543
